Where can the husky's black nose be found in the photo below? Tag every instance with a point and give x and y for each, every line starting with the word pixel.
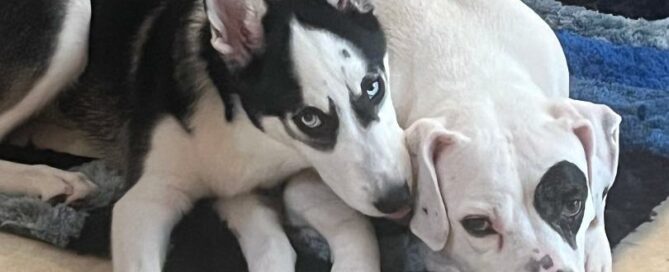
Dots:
pixel 396 199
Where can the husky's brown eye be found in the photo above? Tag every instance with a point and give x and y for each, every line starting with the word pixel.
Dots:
pixel 319 129
pixel 311 120
pixel 478 226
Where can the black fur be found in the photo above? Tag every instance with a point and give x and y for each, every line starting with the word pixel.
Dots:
pixel 323 137
pixel 361 29
pixel 562 184
pixel 119 106
pixel 32 26
pixel 366 108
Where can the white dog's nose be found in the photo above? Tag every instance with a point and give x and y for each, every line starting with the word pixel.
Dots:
pixel 544 264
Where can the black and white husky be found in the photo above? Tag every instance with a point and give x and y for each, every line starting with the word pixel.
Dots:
pixel 201 98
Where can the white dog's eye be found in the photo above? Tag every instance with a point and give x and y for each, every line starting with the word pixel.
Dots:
pixel 478 226
pixel 572 208
pixel 311 120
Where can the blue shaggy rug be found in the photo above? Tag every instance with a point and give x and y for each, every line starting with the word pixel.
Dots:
pixel 617 61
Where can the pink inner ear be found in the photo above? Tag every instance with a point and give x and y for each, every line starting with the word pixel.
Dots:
pixel 238 31
pixel 585 134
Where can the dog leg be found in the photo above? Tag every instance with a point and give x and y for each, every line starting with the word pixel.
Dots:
pixel 597 250
pixel 44 182
pixel 143 220
pixel 350 235
pixel 67 63
pixel 258 228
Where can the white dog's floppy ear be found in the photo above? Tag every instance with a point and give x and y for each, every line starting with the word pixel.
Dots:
pixel 597 127
pixel 236 29
pixel 430 222
pixel 362 6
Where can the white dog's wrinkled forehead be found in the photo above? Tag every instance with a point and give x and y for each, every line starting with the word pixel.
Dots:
pixel 537 169
pixel 513 162
pixel 528 188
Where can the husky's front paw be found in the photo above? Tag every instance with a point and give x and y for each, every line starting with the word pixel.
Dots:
pixel 49 183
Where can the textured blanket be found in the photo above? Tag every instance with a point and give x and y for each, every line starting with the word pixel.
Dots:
pixel 616 61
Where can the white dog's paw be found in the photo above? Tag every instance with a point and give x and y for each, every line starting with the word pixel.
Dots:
pixel 598 263
pixel 48 183
pixel 598 260
pixel 597 250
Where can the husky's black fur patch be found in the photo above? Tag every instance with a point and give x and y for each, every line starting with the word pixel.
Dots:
pixel 366 105
pixel 268 86
pixel 29 31
pixel 120 105
pixel 560 199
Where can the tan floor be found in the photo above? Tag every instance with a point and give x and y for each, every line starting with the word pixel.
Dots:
pixel 21 255
pixel 645 250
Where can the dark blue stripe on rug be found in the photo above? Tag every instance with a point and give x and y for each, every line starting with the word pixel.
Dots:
pixel 645 112
pixel 603 61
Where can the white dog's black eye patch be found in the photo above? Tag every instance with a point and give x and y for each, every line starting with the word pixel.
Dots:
pixel 560 199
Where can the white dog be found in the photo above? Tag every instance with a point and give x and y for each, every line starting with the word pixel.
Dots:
pixel 512 175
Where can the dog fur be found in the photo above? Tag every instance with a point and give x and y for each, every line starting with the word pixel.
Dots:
pixel 204 98
pixel 511 174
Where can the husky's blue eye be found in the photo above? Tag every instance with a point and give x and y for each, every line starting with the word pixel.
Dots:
pixel 373 90
pixel 374 87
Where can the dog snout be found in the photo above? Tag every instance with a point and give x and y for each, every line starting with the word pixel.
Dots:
pixel 396 199
pixel 544 264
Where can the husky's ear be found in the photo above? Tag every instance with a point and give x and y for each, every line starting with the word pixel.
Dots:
pixel 426 139
pixel 236 28
pixel 362 6
pixel 597 127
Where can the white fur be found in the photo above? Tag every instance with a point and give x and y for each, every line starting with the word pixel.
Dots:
pixel 324 73
pixel 258 229
pixel 482 87
pixel 493 72
pixel 321 68
pixel 143 220
pixel 68 61
pixel 349 234
pixel 227 159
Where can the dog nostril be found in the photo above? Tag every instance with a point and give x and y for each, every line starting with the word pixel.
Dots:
pixel 546 262
pixel 394 200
